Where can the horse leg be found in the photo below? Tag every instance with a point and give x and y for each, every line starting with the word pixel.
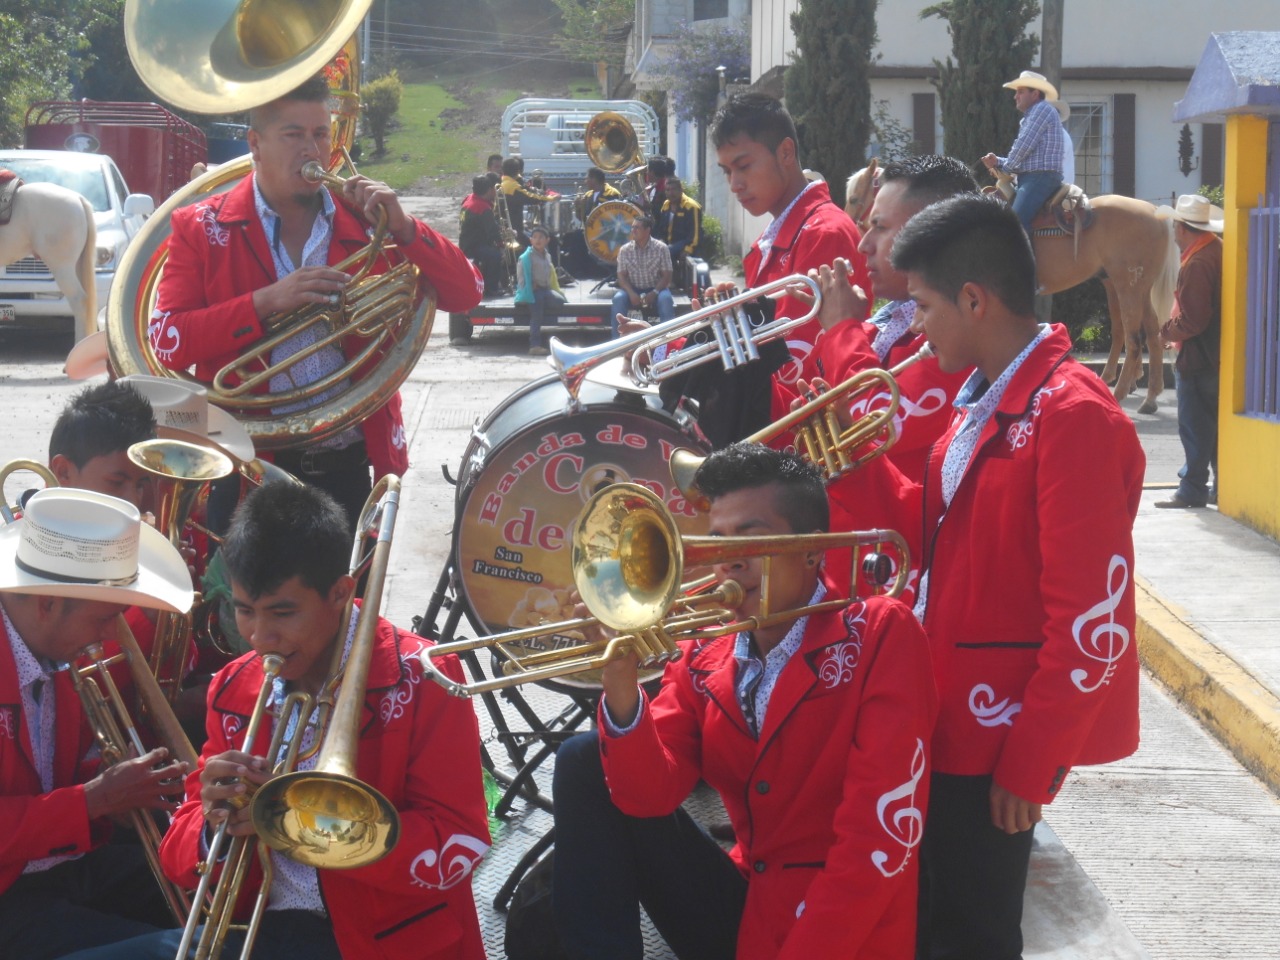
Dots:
pixel 1155 360
pixel 1117 332
pixel 1131 312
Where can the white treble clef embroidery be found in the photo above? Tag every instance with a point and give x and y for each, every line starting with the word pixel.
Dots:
pixel 989 713
pixel 1107 641
pixel 907 822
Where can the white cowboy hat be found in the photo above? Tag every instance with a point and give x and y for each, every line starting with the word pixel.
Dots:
pixel 182 405
pixel 1036 81
pixel 86 545
pixel 1195 211
pixel 88 358
pixel 1063 108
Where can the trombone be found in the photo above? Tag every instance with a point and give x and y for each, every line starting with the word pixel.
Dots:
pixel 324 817
pixel 628 560
pixel 820 439
pixel 730 337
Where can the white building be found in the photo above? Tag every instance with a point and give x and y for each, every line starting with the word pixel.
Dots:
pixel 1123 66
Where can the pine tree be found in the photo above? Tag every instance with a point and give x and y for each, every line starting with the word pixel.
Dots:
pixel 827 87
pixel 1186 151
pixel 991 47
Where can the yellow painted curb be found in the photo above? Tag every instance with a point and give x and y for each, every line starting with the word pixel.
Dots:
pixel 1225 697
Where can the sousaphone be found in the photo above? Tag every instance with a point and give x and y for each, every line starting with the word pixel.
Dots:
pixel 227 56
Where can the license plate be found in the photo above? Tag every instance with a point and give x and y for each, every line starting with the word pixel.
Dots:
pixel 7 314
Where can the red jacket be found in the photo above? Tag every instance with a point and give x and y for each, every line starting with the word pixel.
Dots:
pixel 219 255
pixel 421 749
pixel 33 824
pixel 1031 606
pixel 815 232
pixel 827 806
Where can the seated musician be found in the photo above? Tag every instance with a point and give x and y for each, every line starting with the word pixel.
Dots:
pixel 517 196
pixel 680 220
pixel 597 191
pixel 644 275
pixel 493 166
pixel 287 552
pixel 479 235
pixel 814 731
pixel 241 262
pixel 68 568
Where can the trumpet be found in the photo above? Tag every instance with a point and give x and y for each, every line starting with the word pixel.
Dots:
pixel 819 437
pixel 324 817
pixel 731 337
pixel 628 560
pixel 8 512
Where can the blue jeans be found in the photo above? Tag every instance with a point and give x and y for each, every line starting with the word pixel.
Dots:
pixel 1198 431
pixel 622 305
pixel 607 864
pixel 283 935
pixel 538 313
pixel 1034 189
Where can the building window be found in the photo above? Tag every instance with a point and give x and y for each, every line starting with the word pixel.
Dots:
pixel 710 9
pixel 1089 126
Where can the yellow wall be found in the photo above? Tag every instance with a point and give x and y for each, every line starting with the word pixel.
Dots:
pixel 1248 447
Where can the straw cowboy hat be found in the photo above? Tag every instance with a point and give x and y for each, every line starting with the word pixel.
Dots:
pixel 182 405
pixel 88 358
pixel 1063 108
pixel 86 545
pixel 1195 211
pixel 1036 81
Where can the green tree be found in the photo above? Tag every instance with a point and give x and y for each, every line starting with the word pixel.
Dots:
pixel 42 56
pixel 380 102
pixel 991 45
pixel 827 86
pixel 595 30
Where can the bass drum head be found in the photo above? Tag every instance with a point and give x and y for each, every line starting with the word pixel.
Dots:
pixel 526 476
pixel 609 227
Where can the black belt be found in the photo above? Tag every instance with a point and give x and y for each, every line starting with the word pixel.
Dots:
pixel 314 461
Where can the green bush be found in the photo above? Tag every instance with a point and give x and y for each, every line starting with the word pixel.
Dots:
pixel 1083 311
pixel 711 244
pixel 1213 194
pixel 380 101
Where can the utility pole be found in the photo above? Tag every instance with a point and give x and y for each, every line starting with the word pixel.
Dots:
pixel 1051 41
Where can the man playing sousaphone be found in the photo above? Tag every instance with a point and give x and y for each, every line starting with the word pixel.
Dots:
pixel 68 568
pixel 239 262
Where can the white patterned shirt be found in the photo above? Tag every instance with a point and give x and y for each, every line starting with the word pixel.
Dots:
pixel 765 243
pixel 755 680
pixel 315 253
pixel 893 320
pixel 960 450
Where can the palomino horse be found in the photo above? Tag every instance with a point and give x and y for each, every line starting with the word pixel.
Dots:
pixel 1129 248
pixel 56 225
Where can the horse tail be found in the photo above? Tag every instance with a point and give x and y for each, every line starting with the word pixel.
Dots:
pixel 85 265
pixel 1167 279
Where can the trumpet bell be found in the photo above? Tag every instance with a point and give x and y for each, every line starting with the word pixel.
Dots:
pixel 325 820
pixel 224 56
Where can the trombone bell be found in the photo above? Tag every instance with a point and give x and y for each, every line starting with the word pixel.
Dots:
pixel 325 820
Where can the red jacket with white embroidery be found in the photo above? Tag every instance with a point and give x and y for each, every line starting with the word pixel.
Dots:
pixel 219 255
pixel 1031 605
pixel 34 824
pixel 421 749
pixel 827 805
pixel 815 232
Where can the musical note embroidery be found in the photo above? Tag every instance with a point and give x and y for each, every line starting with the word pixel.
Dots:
pixel 838 665
pixel 218 234
pixel 790 372
pixel 7 729
pixel 450 866
pixel 397 437
pixel 158 329
pixel 232 724
pixel 394 701
pixel 1020 432
pixel 989 713
pixel 906 825
pixel 1107 640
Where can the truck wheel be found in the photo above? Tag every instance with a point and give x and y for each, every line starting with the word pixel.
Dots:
pixel 459 329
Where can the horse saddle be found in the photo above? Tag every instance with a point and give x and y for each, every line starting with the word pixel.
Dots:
pixel 9 184
pixel 1067 212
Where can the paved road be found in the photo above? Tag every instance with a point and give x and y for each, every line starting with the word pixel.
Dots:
pixel 1182 842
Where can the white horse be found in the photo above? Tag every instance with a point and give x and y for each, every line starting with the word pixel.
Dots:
pixel 56 225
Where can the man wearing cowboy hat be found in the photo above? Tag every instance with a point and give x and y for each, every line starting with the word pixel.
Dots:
pixel 68 568
pixel 1036 155
pixel 1196 326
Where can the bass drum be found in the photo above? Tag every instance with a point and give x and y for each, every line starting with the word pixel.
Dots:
pixel 526 474
pixel 608 227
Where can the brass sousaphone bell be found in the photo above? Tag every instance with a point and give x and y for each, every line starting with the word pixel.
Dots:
pixel 612 143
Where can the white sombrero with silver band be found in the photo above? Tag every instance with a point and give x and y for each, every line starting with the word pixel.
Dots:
pixel 1195 211
pixel 88 358
pixel 89 546
pixel 183 405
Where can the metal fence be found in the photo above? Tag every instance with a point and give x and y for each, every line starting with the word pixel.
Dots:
pixel 1262 338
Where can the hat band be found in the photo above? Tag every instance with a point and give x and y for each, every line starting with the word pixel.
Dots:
pixel 65 578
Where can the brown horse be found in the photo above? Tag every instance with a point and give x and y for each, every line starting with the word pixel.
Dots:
pixel 1129 248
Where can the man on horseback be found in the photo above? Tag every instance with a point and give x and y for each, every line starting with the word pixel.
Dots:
pixel 1036 155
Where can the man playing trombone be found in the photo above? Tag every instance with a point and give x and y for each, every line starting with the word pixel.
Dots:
pixel 68 568
pixel 242 261
pixel 287 554
pixel 814 730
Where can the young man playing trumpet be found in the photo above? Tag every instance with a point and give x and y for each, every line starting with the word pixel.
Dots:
pixel 814 731
pixel 241 261
pixel 68 568
pixel 287 553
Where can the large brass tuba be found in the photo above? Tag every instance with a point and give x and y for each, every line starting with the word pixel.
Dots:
pixel 324 817
pixel 612 143
pixel 232 55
